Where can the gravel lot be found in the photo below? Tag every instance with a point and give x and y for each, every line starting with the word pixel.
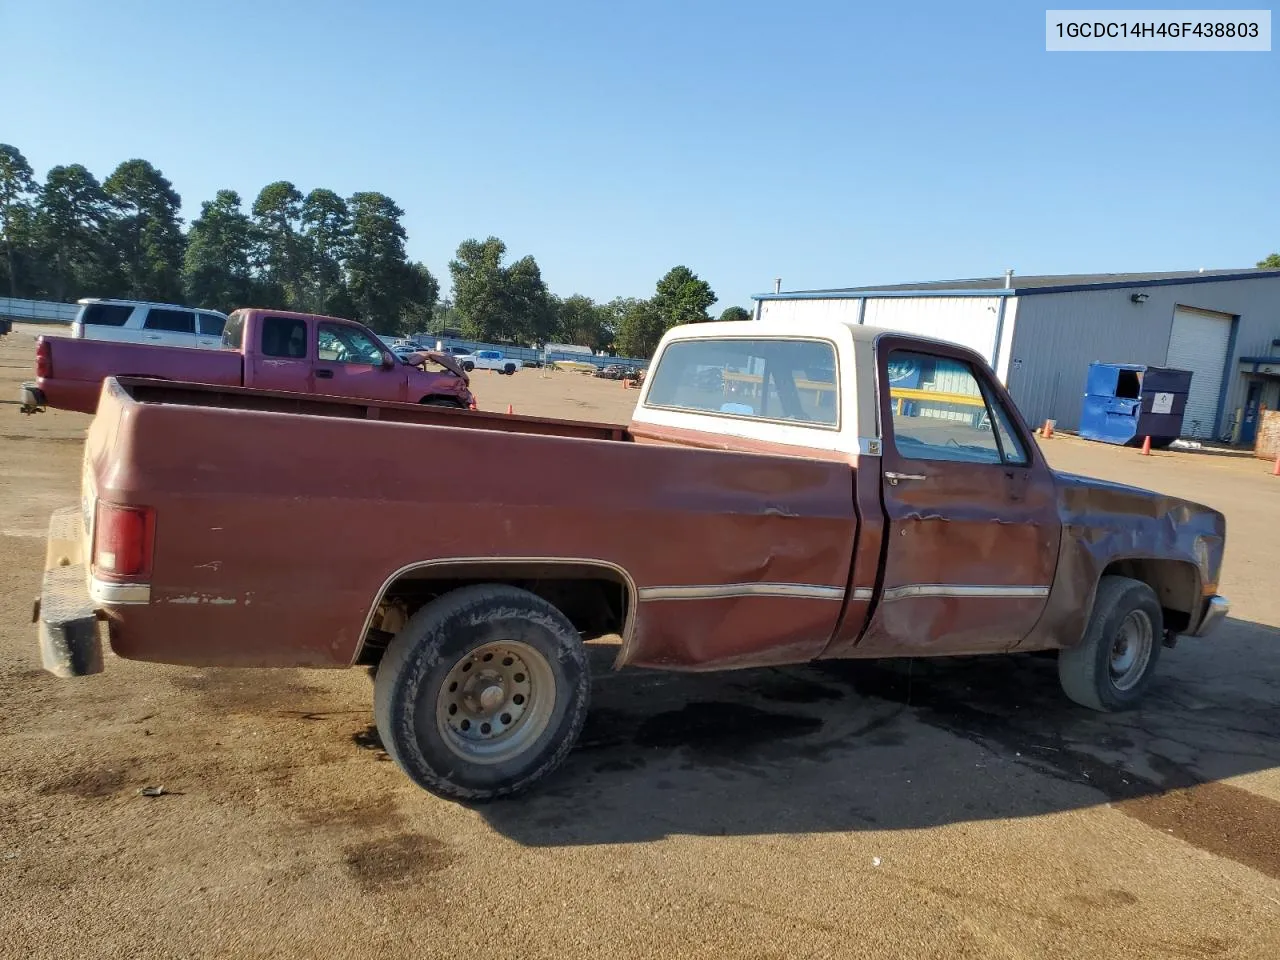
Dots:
pixel 955 808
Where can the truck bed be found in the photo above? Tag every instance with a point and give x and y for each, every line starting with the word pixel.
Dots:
pixel 280 519
pixel 151 391
pixel 79 367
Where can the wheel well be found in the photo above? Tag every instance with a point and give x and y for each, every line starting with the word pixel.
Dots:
pixel 598 598
pixel 440 398
pixel 1175 582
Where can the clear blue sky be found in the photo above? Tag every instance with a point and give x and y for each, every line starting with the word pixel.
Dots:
pixel 829 143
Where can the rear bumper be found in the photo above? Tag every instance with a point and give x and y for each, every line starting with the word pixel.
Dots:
pixel 31 398
pixel 65 614
pixel 1215 612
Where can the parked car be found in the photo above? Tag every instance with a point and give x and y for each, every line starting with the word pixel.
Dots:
pixel 264 349
pixel 136 321
pixel 812 521
pixel 615 371
pixel 489 360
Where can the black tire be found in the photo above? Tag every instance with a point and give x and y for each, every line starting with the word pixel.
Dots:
pixel 440 402
pixel 435 643
pixel 468 366
pixel 1086 671
pixel 509 370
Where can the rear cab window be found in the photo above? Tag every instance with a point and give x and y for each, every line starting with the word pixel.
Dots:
pixel 233 332
pixel 173 321
pixel 786 380
pixel 106 314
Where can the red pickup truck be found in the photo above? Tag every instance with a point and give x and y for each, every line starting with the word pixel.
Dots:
pixel 782 494
pixel 263 349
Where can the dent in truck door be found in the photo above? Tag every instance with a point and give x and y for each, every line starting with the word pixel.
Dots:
pixel 972 526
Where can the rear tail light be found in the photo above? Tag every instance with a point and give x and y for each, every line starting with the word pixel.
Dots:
pixel 122 540
pixel 44 359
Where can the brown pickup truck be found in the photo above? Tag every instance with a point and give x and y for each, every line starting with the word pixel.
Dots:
pixel 781 495
pixel 263 349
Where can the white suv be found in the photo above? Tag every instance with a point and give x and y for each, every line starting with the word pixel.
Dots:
pixel 162 324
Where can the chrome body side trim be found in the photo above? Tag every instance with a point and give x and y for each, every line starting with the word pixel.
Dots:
pixel 716 591
pixel 971 591
pixel 119 594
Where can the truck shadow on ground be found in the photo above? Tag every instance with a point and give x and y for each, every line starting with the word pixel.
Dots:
pixel 908 744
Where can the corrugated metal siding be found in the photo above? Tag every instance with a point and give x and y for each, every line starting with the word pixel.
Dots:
pixel 969 321
pixel 1059 334
pixel 844 311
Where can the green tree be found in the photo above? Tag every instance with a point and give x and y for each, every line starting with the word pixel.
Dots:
pixel 735 313
pixel 420 292
pixel 496 302
pixel 683 298
pixel 71 221
pixel 277 213
pixel 533 320
pixel 639 325
pixel 326 231
pixel 581 321
pixel 377 272
pixel 1272 262
pixel 479 288
pixel 146 231
pixel 17 183
pixel 219 259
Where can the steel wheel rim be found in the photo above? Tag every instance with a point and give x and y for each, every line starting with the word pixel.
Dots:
pixel 495 702
pixel 1131 650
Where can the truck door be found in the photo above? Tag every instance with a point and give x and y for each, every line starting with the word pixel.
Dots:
pixel 278 361
pixel 352 363
pixel 971 518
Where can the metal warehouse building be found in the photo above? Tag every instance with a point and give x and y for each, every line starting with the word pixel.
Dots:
pixel 1041 333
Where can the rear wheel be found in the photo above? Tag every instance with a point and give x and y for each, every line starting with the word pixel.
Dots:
pixel 482 693
pixel 1112 667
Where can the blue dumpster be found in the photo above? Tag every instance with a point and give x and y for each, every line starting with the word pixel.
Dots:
pixel 1125 402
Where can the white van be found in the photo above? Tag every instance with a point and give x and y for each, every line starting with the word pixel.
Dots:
pixel 134 321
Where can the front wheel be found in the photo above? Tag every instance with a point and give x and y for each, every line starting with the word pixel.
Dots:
pixel 468 366
pixel 1112 667
pixel 483 693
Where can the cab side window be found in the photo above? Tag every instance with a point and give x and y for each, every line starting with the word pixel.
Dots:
pixel 284 337
pixel 940 411
pixel 338 343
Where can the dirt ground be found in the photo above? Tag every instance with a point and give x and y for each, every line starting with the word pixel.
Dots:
pixel 928 809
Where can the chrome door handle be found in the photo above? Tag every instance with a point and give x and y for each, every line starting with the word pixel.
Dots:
pixel 893 478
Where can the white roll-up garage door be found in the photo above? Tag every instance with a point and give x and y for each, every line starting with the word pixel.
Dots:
pixel 1199 343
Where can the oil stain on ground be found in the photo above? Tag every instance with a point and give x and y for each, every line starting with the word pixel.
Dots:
pixel 397 861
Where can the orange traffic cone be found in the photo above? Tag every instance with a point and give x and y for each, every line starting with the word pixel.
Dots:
pixel 1275 471
pixel 1047 430
pixel 510 409
pixel 1146 446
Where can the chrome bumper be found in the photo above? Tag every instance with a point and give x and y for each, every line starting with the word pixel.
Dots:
pixel 66 615
pixel 1214 613
pixel 31 398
